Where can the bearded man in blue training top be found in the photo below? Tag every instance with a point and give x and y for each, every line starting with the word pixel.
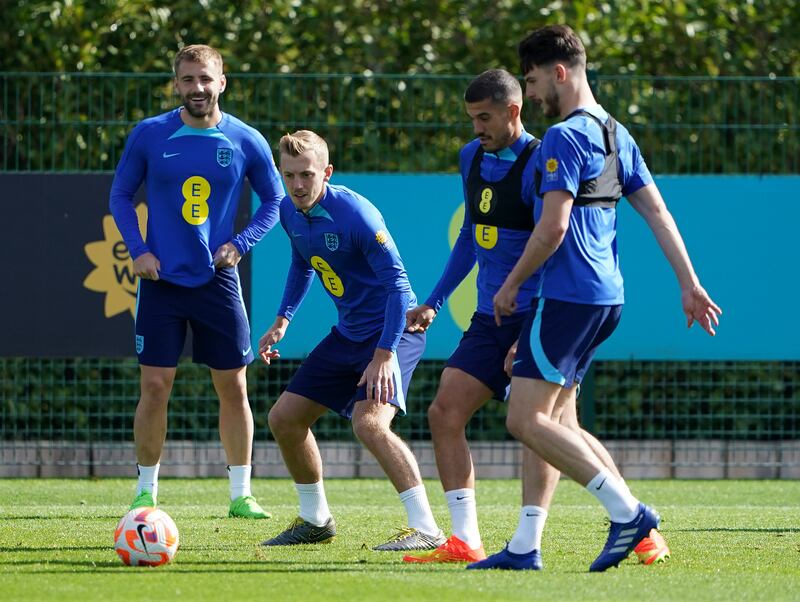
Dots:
pixel 587 163
pixel 193 161
pixel 362 369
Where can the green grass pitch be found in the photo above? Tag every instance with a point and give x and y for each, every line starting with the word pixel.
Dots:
pixel 731 540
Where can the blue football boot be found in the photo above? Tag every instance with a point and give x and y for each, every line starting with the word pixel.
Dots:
pixel 505 560
pixel 623 537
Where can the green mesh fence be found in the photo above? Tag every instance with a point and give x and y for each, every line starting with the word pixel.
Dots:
pixel 708 419
pixel 386 123
pixel 662 416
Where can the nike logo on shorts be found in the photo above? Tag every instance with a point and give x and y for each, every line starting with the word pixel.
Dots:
pixel 246 351
pixel 168 155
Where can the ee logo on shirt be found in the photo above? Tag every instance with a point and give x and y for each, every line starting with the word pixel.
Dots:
pixel 485 204
pixel 330 279
pixel 196 190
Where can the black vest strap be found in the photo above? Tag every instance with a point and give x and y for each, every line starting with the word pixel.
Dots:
pixel 500 203
pixel 606 189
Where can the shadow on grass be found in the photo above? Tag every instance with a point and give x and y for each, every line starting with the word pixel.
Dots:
pixel 226 566
pixel 736 530
pixel 13 549
pixel 63 517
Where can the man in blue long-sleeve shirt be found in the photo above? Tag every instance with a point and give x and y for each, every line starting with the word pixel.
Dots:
pixel 362 369
pixel 193 161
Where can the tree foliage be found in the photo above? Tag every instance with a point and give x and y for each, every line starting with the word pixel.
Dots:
pixel 644 37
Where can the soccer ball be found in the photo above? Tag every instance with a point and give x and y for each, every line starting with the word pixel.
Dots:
pixel 146 537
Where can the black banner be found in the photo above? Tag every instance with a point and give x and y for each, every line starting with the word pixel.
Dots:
pixel 69 288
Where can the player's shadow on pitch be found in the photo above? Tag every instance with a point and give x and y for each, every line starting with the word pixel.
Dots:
pixel 13 549
pixel 737 530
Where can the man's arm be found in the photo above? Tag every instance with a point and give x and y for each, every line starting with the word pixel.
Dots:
pixel 697 305
pixel 266 182
pixel 459 264
pixel 128 177
pixel 547 235
pixel 298 281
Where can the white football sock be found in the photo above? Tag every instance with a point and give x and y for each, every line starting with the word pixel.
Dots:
pixel 528 536
pixel 464 516
pixel 418 510
pixel 148 479
pixel 615 496
pixel 313 503
pixel 239 479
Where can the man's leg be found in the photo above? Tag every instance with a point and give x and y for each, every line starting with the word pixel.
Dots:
pixel 290 421
pixel 459 396
pixel 236 434
pixel 652 549
pixel 372 425
pixel 150 430
pixel 539 482
pixel 530 420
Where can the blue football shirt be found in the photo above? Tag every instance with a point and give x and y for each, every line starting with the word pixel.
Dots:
pixel 585 268
pixel 496 254
pixel 344 239
pixel 193 179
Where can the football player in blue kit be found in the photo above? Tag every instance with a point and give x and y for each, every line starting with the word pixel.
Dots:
pixel 587 162
pixel 193 161
pixel 362 369
pixel 499 191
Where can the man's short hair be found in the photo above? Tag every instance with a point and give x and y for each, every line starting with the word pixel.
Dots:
pixel 497 85
pixel 551 44
pixel 302 141
pixel 197 53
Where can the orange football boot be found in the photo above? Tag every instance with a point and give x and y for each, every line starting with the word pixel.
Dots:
pixel 453 550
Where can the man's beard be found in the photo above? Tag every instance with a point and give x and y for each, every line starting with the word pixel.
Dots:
pixel 551 105
pixel 199 113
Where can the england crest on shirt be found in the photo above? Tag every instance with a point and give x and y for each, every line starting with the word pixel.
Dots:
pixel 331 241
pixel 224 156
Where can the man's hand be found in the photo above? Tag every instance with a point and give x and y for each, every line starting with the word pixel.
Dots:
pixel 226 256
pixel 699 307
pixel 505 302
pixel 419 318
pixel 146 266
pixel 273 335
pixel 378 376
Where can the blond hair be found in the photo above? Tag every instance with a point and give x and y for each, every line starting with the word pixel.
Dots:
pixel 302 141
pixel 197 53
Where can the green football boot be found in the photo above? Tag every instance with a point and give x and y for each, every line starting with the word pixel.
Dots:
pixel 246 506
pixel 144 499
pixel 301 531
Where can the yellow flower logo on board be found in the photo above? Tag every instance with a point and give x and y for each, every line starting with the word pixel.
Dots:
pixel 113 273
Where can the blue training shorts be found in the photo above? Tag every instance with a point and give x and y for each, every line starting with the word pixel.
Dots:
pixel 559 339
pixel 482 351
pixel 330 374
pixel 215 311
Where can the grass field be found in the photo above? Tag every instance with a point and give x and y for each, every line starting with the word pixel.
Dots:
pixel 731 540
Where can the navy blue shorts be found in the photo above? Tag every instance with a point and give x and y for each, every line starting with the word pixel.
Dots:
pixel 330 373
pixel 559 339
pixel 483 348
pixel 215 311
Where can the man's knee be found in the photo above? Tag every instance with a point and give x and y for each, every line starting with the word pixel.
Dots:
pixel 280 420
pixel 156 386
pixel 447 412
pixel 369 429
